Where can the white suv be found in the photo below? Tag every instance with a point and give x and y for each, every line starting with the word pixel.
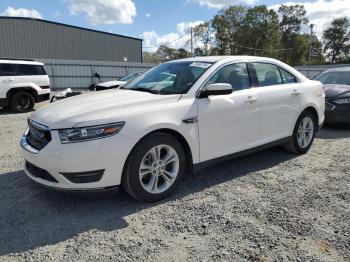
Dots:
pixel 22 84
pixel 156 129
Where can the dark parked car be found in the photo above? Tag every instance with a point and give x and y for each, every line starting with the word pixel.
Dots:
pixel 337 89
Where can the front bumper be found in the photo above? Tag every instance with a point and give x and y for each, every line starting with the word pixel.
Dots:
pixel 337 113
pixel 67 164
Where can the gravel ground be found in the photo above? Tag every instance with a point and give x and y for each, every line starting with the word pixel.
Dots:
pixel 269 206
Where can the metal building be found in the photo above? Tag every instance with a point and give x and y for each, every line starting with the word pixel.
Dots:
pixel 41 39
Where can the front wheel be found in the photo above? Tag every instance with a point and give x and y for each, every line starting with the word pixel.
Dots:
pixel 22 102
pixel 154 168
pixel 304 134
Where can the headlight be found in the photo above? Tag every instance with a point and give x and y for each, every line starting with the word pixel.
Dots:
pixel 342 100
pixel 89 133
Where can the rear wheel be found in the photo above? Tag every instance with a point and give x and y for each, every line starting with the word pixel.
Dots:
pixel 154 168
pixel 304 134
pixel 22 102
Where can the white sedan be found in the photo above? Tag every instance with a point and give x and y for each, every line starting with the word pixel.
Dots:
pixel 177 118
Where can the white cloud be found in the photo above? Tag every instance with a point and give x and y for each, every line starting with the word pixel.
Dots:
pixel 176 40
pixel 21 12
pixel 148 15
pixel 321 12
pixel 184 27
pixel 104 11
pixel 57 14
pixel 221 3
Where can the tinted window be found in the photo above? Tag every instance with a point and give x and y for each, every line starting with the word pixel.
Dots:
pixel 236 74
pixel 30 70
pixel 8 69
pixel 21 69
pixel 267 74
pixel 287 77
pixel 40 70
pixel 341 78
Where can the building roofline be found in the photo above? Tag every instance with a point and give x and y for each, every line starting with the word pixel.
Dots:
pixel 71 26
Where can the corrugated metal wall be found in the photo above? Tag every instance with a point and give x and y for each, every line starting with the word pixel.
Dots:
pixel 79 74
pixel 34 38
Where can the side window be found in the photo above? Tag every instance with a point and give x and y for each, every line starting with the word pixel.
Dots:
pixel 236 74
pixel 267 74
pixel 8 69
pixel 287 77
pixel 27 69
pixel 40 70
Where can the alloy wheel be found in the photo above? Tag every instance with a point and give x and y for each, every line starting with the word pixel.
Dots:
pixel 159 169
pixel 305 132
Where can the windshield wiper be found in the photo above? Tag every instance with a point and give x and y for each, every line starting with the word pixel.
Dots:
pixel 142 89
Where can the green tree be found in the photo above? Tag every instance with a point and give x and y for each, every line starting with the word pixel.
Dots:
pixel 317 56
pixel 259 30
pixel 227 25
pixel 336 40
pixel 165 53
pixel 198 52
pixel 203 33
pixel 150 57
pixel 293 18
pixel 181 53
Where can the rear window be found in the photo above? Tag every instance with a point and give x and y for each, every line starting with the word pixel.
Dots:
pixel 287 77
pixel 268 74
pixel 31 70
pixel 21 69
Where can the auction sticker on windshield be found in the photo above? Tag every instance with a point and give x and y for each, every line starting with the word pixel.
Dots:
pixel 200 64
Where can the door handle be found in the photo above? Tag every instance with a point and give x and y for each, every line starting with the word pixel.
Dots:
pixel 9 79
pixel 251 99
pixel 296 92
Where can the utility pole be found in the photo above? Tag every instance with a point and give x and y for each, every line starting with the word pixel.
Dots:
pixel 310 42
pixel 191 42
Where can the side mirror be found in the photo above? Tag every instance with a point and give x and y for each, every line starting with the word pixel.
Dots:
pixel 216 90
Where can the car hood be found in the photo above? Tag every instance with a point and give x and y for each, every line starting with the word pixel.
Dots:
pixel 112 83
pixel 97 108
pixel 336 91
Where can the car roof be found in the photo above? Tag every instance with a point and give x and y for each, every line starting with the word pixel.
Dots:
pixel 339 69
pixel 214 59
pixel 19 61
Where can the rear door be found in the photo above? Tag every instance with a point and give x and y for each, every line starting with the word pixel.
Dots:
pixel 32 73
pixel 279 101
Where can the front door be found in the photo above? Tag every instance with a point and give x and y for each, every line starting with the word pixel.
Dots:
pixel 228 123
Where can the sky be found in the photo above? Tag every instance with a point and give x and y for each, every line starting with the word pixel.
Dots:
pixel 157 22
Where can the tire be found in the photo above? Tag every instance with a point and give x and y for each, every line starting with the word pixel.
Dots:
pixel 297 144
pixel 137 181
pixel 22 102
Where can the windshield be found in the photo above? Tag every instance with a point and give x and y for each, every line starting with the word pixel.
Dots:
pixel 129 77
pixel 169 78
pixel 340 78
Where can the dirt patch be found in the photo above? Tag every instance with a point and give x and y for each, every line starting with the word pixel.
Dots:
pixel 269 206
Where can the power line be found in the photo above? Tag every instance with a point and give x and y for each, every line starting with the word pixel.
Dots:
pixel 239 46
pixel 267 50
pixel 167 42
